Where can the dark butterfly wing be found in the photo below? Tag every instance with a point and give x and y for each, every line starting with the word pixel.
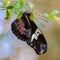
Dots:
pixel 39 45
pixel 24 29
pixel 21 28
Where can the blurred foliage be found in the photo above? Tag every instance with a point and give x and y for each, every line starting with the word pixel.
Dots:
pixel 32 17
pixel 52 15
pixel 18 7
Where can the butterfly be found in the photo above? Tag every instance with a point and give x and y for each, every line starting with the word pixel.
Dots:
pixel 26 30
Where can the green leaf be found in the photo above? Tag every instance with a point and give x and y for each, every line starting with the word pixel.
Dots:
pixel 6 3
pixel 22 3
pixel 8 14
pixel 51 16
pixel 31 5
pixel 15 10
pixel 54 12
pixel 32 17
pixel 18 6
pixel 19 15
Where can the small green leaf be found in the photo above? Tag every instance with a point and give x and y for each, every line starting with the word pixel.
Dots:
pixel 8 14
pixel 15 10
pixel 22 3
pixel 32 17
pixel 18 7
pixel 51 16
pixel 31 5
pixel 17 4
pixel 54 12
pixel 19 15
pixel 6 3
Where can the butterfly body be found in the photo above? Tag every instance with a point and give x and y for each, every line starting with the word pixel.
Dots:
pixel 27 31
